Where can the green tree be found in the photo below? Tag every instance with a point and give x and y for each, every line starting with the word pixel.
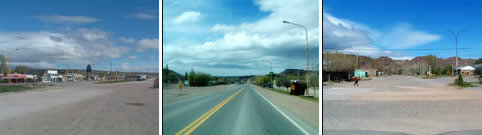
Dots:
pixel 3 66
pixel 21 69
pixel 478 70
pixel 460 81
pixel 202 79
pixel 39 76
pixel 262 80
pixel 191 77
pixel 479 61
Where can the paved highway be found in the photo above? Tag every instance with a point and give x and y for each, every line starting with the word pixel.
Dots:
pixel 238 111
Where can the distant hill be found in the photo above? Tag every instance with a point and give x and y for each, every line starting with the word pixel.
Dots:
pixel 348 62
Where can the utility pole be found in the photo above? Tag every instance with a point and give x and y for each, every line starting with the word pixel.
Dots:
pixel 271 74
pixel 9 70
pixel 110 69
pixel 456 49
pixel 418 62
pixel 67 72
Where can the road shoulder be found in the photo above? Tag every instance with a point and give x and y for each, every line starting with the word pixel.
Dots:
pixel 307 111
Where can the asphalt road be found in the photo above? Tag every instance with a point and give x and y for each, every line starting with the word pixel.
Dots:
pixel 239 111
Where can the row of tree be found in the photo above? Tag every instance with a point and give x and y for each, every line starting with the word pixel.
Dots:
pixel 199 79
pixel 336 62
pixel 18 69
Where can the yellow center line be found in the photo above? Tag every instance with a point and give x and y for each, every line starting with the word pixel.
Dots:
pixel 205 116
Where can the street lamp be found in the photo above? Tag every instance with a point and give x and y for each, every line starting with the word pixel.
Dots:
pixel 307 71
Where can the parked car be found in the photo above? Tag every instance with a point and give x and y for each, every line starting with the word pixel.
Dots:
pixel 156 83
pixel 141 77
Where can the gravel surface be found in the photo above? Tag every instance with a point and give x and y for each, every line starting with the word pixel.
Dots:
pixel 402 105
pixel 90 109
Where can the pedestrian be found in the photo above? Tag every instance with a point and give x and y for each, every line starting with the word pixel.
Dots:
pixel 356 81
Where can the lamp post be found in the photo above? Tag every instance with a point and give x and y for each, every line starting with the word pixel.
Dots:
pixel 307 71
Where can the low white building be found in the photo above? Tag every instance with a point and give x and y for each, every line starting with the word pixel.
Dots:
pixel 52 76
pixel 465 70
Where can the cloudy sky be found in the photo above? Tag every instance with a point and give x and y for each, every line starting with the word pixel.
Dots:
pixel 52 34
pixel 402 29
pixel 233 37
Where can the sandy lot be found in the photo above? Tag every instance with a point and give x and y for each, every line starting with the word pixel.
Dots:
pixel 402 104
pixel 402 88
pixel 83 109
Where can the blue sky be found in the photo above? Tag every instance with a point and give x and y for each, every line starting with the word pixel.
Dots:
pixel 397 28
pixel 232 37
pixel 52 34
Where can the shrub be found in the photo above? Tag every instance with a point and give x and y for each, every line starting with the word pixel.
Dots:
pixel 199 79
pixel 460 82
pixel 262 80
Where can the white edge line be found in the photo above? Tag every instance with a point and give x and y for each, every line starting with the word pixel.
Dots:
pixel 282 113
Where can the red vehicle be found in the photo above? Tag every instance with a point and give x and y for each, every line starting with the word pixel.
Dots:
pixel 156 83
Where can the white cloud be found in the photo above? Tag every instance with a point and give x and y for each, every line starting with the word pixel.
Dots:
pixel 341 33
pixel 222 28
pixel 147 43
pixel 131 58
pixel 132 67
pixel 402 58
pixel 144 16
pixel 355 38
pixel 46 49
pixel 404 36
pixel 127 40
pixel 187 17
pixel 249 46
pixel 93 34
pixel 59 19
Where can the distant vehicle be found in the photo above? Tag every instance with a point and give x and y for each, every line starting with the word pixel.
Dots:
pixel 141 77
pixel 156 83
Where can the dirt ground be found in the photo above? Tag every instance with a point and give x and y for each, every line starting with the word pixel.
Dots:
pixel 405 88
pixel 403 104
pixel 82 108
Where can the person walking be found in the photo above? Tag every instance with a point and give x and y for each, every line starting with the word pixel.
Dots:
pixel 356 81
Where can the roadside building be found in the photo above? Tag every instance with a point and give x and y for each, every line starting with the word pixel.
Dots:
pixel 478 67
pixel 370 72
pixel 74 76
pixel 360 73
pixel 17 77
pixel 465 70
pixel 52 76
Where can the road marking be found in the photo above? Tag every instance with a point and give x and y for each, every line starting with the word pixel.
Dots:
pixel 282 113
pixel 206 115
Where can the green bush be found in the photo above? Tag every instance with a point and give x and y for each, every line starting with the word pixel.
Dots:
pixel 460 82
pixel 262 80
pixel 199 79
